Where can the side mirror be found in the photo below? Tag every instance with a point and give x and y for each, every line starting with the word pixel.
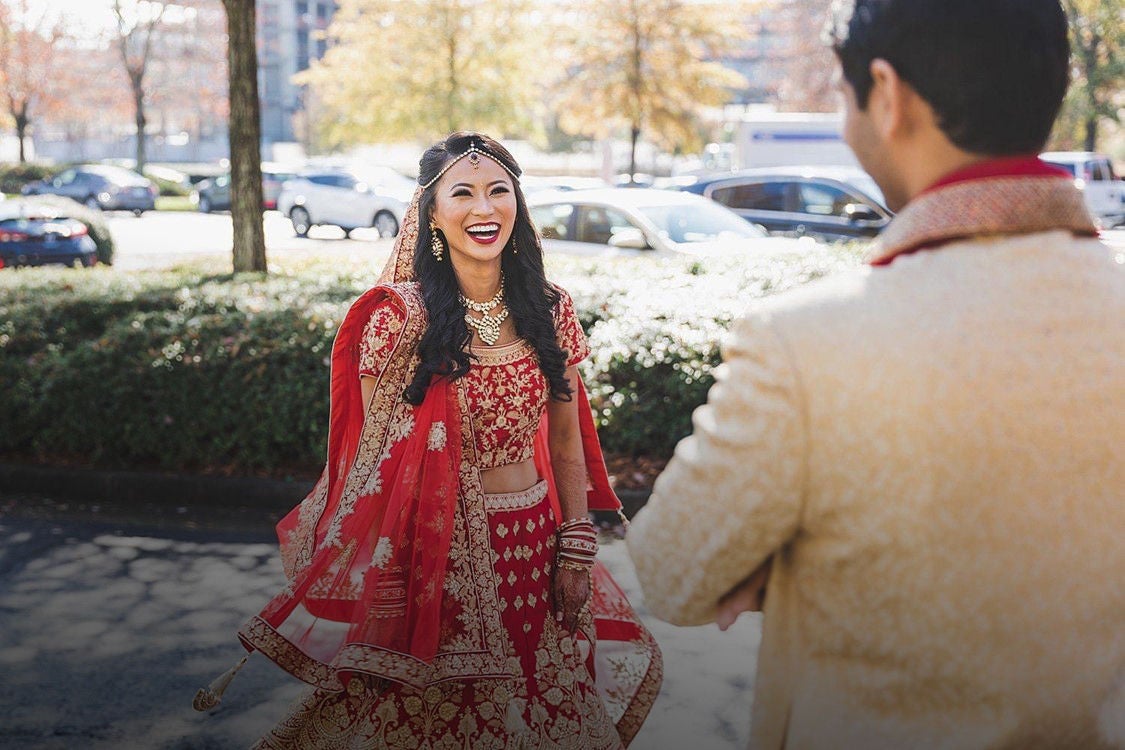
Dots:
pixel 629 238
pixel 861 212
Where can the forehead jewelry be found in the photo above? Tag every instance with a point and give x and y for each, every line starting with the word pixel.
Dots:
pixel 474 153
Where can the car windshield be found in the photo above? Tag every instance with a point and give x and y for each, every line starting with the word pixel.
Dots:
pixel 698 222
pixel 869 188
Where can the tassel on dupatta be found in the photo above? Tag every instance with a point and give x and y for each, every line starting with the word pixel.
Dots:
pixel 212 695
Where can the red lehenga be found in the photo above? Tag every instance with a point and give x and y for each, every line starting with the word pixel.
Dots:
pixel 419 607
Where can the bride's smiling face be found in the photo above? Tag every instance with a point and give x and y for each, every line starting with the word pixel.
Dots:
pixel 475 209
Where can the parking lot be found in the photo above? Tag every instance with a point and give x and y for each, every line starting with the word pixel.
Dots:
pixel 163 239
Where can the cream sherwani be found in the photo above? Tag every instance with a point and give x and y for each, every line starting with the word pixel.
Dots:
pixel 933 453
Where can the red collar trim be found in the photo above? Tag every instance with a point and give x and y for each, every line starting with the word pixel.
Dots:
pixel 1009 166
pixel 989 169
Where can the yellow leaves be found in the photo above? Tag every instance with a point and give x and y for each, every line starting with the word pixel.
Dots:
pixel 648 65
pixel 417 69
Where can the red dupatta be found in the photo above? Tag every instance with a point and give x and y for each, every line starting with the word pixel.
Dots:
pixel 366 552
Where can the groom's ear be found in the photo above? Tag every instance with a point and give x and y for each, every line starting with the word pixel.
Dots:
pixel 893 103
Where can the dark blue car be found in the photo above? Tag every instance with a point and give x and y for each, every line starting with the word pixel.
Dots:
pixel 39 237
pixel 830 203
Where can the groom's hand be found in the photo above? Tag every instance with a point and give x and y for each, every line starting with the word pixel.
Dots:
pixel 748 596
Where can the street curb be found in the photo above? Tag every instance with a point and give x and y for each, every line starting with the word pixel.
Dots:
pixel 94 485
pixel 145 487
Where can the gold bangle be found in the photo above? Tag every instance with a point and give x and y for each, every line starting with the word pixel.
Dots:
pixel 571 565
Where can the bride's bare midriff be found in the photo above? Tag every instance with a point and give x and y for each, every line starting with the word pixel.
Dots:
pixel 509 478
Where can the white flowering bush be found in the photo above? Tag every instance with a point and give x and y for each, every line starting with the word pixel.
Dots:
pixel 186 371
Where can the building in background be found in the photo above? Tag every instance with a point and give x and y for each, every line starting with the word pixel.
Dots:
pixel 290 37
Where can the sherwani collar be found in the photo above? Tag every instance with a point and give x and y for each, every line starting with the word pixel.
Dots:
pixel 998 197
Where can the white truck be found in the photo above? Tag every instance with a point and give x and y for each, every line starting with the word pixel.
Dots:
pixel 772 139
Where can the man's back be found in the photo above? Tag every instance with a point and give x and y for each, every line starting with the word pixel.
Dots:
pixel 960 540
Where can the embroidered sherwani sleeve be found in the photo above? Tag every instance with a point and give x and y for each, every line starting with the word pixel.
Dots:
pixel 732 494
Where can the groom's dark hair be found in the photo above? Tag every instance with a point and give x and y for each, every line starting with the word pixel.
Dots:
pixel 994 71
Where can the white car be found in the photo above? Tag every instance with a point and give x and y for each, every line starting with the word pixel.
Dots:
pixel 1093 174
pixel 634 221
pixel 339 198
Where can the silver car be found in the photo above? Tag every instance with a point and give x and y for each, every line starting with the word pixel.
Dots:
pixel 339 198
pixel 636 221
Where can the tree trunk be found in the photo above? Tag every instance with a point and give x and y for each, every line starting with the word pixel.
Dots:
pixel 245 138
pixel 142 124
pixel 634 135
pixel 21 134
pixel 1092 133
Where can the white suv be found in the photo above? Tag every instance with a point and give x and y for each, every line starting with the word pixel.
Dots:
pixel 1093 174
pixel 341 199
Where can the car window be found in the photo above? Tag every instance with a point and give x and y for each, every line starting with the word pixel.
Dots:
pixel 597 224
pixel 322 179
pixel 704 221
pixel 343 181
pixel 824 200
pixel 759 196
pixel 1102 171
pixel 553 221
pixel 65 178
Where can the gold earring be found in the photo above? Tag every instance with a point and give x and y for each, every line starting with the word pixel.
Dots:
pixel 436 246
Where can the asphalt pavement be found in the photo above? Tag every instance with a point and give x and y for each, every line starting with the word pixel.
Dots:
pixel 111 618
pixel 163 239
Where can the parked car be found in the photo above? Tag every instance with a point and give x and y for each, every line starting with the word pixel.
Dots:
pixel 632 221
pixel 100 186
pixel 1093 174
pixel 34 234
pixel 537 183
pixel 213 194
pixel 339 198
pixel 831 203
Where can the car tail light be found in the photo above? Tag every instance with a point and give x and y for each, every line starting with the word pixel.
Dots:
pixel 1 262
pixel 154 190
pixel 14 236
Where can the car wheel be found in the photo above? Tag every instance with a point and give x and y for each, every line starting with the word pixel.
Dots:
pixel 138 211
pixel 386 224
pixel 91 202
pixel 205 204
pixel 302 223
pixel 347 232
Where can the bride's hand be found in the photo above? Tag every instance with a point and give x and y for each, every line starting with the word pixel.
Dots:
pixel 572 595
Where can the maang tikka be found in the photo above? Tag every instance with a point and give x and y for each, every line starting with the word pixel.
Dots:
pixel 436 246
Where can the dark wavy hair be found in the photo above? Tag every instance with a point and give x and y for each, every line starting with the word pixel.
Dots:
pixel 529 298
pixel 994 71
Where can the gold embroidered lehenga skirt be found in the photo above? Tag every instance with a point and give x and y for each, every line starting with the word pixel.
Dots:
pixel 554 703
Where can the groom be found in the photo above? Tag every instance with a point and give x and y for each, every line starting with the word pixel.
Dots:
pixel 929 451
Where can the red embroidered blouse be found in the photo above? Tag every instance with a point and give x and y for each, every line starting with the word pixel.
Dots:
pixel 507 391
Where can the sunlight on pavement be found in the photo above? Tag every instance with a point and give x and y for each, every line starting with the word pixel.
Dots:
pixel 105 637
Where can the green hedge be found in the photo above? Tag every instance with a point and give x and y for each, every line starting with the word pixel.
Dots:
pixel 182 371
pixel 94 221
pixel 15 176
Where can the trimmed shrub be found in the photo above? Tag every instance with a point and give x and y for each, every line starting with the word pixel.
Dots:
pixel 182 371
pixel 94 221
pixel 15 176
pixel 168 187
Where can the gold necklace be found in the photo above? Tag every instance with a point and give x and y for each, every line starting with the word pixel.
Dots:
pixel 487 325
